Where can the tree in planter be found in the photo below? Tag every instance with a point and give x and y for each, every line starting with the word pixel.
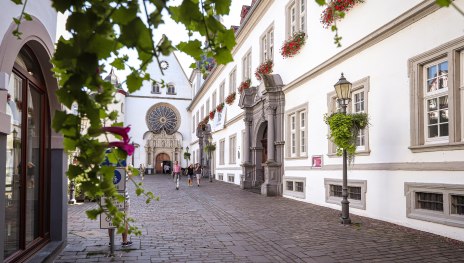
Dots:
pixel 187 155
pixel 344 129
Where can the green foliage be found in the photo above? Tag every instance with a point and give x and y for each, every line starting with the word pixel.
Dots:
pixel 209 148
pixel 186 156
pixel 344 129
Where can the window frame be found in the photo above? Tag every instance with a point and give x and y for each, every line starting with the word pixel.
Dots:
pixel 246 66
pixel 296 113
pixel 213 100
pixel 233 80
pixel 222 91
pixel 447 190
pixel 267 44
pixel 359 86
pixel 359 204
pixel 232 149
pixel 171 89
pixel 155 88
pixel 294 192
pixel 453 52
pixel 222 144
pixel 296 5
pixel 229 176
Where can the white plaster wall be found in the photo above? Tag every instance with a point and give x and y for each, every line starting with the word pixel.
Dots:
pixel 41 9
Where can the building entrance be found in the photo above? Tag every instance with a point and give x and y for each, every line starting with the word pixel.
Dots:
pixel 162 163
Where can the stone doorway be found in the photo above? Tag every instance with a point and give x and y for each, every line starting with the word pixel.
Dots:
pixel 161 161
pixel 263 155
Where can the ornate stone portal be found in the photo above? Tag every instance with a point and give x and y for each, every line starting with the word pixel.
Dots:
pixel 263 153
pixel 162 142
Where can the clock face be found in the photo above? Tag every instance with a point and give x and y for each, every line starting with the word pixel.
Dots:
pixel 164 65
pixel 163 116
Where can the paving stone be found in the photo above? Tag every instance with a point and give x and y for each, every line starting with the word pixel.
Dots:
pixel 218 222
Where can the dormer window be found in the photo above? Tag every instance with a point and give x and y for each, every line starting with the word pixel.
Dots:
pixel 155 88
pixel 171 89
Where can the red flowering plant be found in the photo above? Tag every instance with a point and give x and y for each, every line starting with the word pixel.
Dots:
pixel 264 68
pixel 220 107
pixel 211 114
pixel 244 85
pixel 123 132
pixel 231 98
pixel 292 46
pixel 336 10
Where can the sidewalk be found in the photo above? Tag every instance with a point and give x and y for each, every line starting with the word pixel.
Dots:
pixel 218 222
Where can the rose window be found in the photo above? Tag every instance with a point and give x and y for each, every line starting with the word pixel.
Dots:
pixel 163 117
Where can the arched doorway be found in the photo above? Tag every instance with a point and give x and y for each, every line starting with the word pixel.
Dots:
pixel 163 161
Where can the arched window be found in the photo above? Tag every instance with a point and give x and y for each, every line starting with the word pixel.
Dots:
pixel 171 89
pixel 27 204
pixel 155 88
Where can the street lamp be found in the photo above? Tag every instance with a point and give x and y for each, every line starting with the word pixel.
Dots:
pixel 343 90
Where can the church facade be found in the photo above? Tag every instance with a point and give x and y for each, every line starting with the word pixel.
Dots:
pixel 408 77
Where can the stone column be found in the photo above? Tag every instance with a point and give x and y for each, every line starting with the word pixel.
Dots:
pixel 270 135
pixel 246 150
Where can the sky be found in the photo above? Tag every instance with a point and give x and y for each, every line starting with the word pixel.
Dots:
pixel 232 19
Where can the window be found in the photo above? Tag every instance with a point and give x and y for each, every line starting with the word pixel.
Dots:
pixel 230 178
pixel 294 187
pixel 122 107
pixel 437 105
pixel 246 66
pixel 302 132
pixel 232 148
pixel 438 203
pixel 221 177
pixel 267 45
pixel 356 192
pixel 197 116
pixel 207 107
pixel 296 17
pixel 155 88
pixel 232 81
pixel 202 112
pixel 297 132
pixel 213 99
pixel 171 89
pixel 193 125
pixel 358 104
pixel 222 90
pixel 221 151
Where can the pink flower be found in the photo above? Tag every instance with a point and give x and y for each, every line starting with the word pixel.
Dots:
pixel 121 131
pixel 125 146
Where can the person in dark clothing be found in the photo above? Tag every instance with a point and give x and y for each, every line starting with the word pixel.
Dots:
pixel 190 174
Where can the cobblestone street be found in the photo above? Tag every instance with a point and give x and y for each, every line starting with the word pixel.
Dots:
pixel 218 222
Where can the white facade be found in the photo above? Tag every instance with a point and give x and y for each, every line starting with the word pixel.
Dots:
pixel 140 102
pixel 384 54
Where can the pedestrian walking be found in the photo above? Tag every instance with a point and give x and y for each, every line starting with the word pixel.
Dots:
pixel 176 174
pixel 197 171
pixel 190 174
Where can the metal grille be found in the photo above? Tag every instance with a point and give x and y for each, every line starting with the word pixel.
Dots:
pixel 299 186
pixel 354 192
pixel 429 201
pixel 336 190
pixel 457 204
pixel 231 178
pixel 290 185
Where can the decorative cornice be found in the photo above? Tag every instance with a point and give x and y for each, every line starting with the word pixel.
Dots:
pixel 419 166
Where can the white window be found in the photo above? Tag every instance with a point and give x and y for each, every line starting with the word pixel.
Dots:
pixel 358 104
pixel 232 149
pixel 222 90
pixel 197 118
pixel 356 192
pixel 232 81
pixel 221 151
pixel 437 117
pixel 246 66
pixel 267 45
pixel 155 88
pixel 193 124
pixel 295 187
pixel 436 101
pixel 202 112
pixel 303 132
pixel 213 99
pixel 293 134
pixel 230 178
pixel 296 17
pixel 207 107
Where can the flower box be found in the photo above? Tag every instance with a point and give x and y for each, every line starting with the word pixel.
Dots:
pixel 231 98
pixel 332 12
pixel 220 107
pixel 292 46
pixel 263 69
pixel 244 85
pixel 211 114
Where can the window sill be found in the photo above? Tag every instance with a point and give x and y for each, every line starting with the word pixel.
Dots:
pixel 437 217
pixel 297 158
pixel 171 93
pixel 155 92
pixel 353 203
pixel 437 147
pixel 358 153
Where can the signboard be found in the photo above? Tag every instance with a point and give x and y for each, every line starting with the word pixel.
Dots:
pixel 219 120
pixel 316 161
pixel 105 220
pixel 119 179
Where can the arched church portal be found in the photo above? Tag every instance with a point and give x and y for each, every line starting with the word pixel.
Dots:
pixel 161 161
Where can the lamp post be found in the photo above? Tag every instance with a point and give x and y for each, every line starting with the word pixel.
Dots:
pixel 343 90
pixel 208 159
